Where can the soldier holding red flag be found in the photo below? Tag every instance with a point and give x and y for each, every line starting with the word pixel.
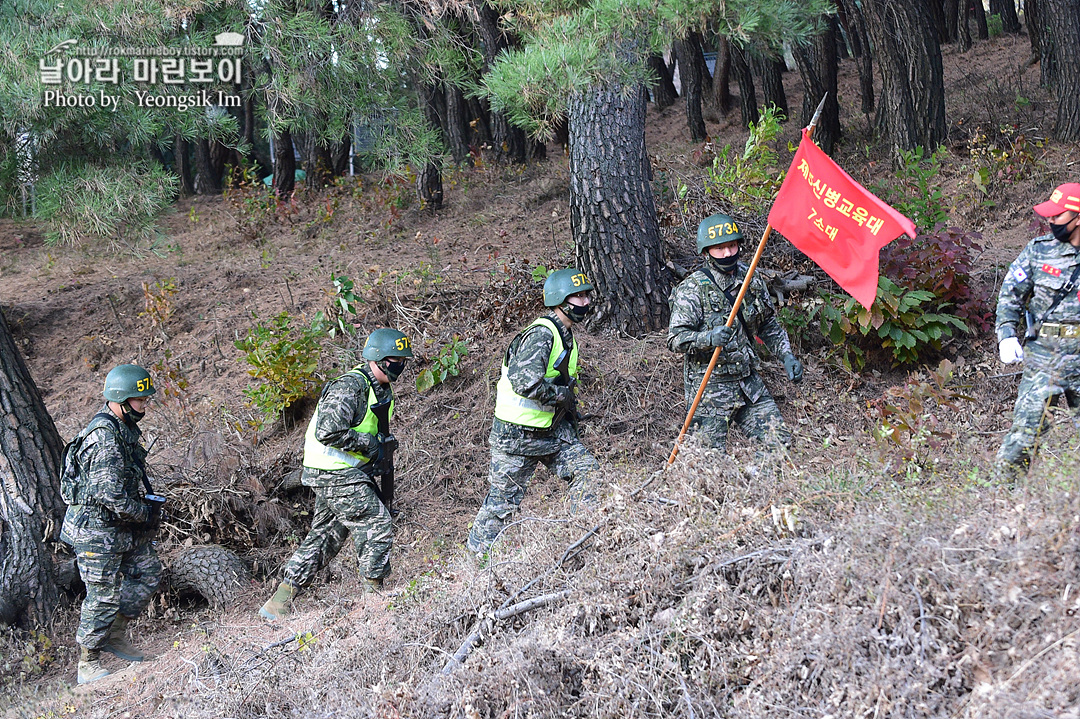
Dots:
pixel 1042 283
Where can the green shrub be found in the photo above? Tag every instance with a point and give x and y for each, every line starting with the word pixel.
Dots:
pixel 81 202
pixel 748 182
pixel 900 321
pixel 284 359
pixel 917 192
pixel 445 364
pixel 995 27
pixel 340 312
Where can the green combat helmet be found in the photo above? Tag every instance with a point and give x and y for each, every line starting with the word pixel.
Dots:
pixel 386 342
pixel 562 283
pixel 126 381
pixel 716 230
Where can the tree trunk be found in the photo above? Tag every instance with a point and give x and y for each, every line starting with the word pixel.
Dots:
pixel 818 69
pixel 772 81
pixel 511 142
pixel 863 62
pixel 31 510
pixel 721 97
pixel 690 76
pixel 663 89
pixel 937 11
pixel 1043 20
pixel 963 31
pixel 181 148
pixel 747 95
pixel 320 162
pixel 1010 22
pixel 1033 19
pixel 703 65
pixel 980 20
pixel 204 170
pixel 912 107
pixel 952 14
pixel 456 124
pixel 1063 20
pixel 341 156
pixel 284 166
pixel 219 155
pixel 612 212
pixel 429 187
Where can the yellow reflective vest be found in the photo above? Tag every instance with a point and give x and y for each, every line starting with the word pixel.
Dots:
pixel 320 456
pixel 511 406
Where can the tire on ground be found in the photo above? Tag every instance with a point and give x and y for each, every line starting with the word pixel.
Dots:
pixel 211 571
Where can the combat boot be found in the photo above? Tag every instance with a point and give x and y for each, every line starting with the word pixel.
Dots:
pixel 90 669
pixel 277 606
pixel 118 645
pixel 372 586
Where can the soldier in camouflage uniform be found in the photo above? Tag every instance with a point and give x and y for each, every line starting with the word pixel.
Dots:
pixel 536 412
pixel 109 522
pixel 1044 279
pixel 700 306
pixel 341 449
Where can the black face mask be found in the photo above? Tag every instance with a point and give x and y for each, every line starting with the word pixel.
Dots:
pixel 576 313
pixel 727 265
pixel 392 369
pixel 131 414
pixel 1061 233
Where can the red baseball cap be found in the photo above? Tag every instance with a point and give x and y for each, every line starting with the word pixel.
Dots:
pixel 1065 198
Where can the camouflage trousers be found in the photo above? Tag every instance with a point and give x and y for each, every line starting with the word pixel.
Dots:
pixel 509 477
pixel 1042 384
pixel 340 510
pixel 116 582
pixel 726 403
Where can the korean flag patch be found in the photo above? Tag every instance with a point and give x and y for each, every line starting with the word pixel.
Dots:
pixel 1019 274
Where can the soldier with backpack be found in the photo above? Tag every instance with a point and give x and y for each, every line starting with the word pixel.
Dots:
pixel 111 521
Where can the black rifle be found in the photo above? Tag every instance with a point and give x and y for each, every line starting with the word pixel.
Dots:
pixel 562 364
pixel 384 466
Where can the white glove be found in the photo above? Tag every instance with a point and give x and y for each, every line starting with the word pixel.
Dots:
pixel 1010 350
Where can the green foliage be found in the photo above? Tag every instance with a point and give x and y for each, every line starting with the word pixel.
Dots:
pixel 81 202
pixel 906 418
pixel 899 321
pixel 995 27
pixel 1001 156
pixel 749 181
pixel 284 359
pixel 540 273
pixel 339 313
pixel 917 192
pixel 443 365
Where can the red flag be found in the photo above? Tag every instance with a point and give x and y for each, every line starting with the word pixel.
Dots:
pixel 835 221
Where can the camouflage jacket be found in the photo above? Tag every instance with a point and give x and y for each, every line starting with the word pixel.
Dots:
pixel 526 370
pixel 108 503
pixel 1034 279
pixel 699 304
pixel 342 406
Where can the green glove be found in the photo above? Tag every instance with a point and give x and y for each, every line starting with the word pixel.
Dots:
pixel 793 367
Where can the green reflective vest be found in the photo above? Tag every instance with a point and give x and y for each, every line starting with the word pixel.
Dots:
pixel 511 406
pixel 320 456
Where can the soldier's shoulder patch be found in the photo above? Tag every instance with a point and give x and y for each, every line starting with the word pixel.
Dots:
pixel 1018 273
pixel 1051 270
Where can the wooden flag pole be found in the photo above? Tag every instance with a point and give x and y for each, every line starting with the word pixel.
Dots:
pixel 734 310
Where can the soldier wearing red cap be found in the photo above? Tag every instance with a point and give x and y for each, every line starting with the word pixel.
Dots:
pixel 1043 284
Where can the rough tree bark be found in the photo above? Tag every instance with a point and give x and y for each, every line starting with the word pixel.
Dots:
pixel 952 15
pixel 511 143
pixel 963 31
pixel 721 96
pixel 818 68
pixel 1033 18
pixel 1063 24
pixel 690 76
pixel 1039 26
pixel 31 510
pixel 320 163
pixel 284 166
pixel 912 107
pixel 429 187
pixel 181 148
pixel 980 20
pixel 207 180
pixel 1010 22
pixel 663 90
pixel 747 95
pixel 457 124
pixel 772 82
pixel 856 30
pixel 612 212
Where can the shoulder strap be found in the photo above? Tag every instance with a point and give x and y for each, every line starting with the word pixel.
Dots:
pixel 517 338
pixel 730 298
pixel 1065 289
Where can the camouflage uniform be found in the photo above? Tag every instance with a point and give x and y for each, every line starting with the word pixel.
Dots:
pixel 735 391
pixel 1051 363
pixel 516 450
pixel 345 499
pixel 107 525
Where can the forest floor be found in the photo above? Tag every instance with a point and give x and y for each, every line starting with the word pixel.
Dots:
pixel 845 578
